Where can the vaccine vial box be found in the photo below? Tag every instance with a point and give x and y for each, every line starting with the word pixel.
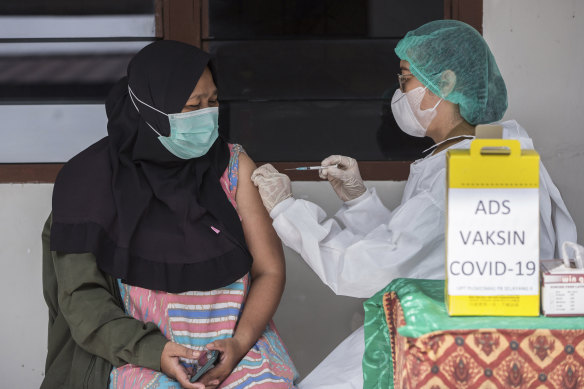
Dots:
pixel 562 289
pixel 492 230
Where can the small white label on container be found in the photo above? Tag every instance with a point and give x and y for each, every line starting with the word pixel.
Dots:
pixel 563 299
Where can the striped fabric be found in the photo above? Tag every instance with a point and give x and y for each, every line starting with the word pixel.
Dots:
pixel 195 319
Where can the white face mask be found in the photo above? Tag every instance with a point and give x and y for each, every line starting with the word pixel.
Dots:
pixel 407 113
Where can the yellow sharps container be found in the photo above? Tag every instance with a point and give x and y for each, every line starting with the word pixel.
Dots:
pixel 492 230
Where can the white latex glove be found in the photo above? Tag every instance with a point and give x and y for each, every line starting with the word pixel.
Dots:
pixel 274 187
pixel 345 178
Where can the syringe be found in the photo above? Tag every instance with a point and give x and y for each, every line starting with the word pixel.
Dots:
pixel 311 167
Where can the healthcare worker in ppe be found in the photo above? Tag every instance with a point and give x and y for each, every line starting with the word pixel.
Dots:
pixel 449 83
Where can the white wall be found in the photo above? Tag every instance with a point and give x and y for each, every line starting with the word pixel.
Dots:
pixel 538 45
pixel 25 318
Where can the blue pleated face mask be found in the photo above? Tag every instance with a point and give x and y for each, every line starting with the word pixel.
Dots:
pixel 191 133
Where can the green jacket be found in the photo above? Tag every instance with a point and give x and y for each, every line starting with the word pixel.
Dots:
pixel 89 332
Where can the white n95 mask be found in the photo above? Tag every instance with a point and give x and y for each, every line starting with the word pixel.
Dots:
pixel 407 113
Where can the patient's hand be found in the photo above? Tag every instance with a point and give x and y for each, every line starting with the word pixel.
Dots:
pixel 232 351
pixel 170 365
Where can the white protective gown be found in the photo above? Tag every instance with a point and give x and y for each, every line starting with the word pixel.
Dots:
pixel 377 245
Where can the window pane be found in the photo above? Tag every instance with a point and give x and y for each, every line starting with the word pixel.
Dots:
pixel 249 19
pixel 74 78
pixel 394 18
pixel 309 69
pixel 311 131
pixel 76 7
pixel 302 79
pixel 244 19
pixel 44 27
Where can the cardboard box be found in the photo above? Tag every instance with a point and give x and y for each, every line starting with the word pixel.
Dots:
pixel 492 230
pixel 562 289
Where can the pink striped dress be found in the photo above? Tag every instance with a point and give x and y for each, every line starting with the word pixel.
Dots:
pixel 195 319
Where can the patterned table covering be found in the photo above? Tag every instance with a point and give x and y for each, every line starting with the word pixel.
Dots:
pixel 547 353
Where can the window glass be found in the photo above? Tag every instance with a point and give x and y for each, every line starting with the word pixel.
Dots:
pixel 67 78
pixel 253 19
pixel 302 79
pixel 69 51
pixel 76 7
pixel 305 69
pixel 313 130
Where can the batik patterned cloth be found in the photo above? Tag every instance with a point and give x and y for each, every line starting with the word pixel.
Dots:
pixel 489 358
pixel 468 358
pixel 195 319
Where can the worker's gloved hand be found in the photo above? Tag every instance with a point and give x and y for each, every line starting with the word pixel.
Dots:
pixel 274 187
pixel 345 178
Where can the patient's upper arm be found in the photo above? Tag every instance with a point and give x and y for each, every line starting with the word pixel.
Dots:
pixel 262 240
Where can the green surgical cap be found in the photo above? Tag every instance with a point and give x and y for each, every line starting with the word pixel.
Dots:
pixel 441 45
